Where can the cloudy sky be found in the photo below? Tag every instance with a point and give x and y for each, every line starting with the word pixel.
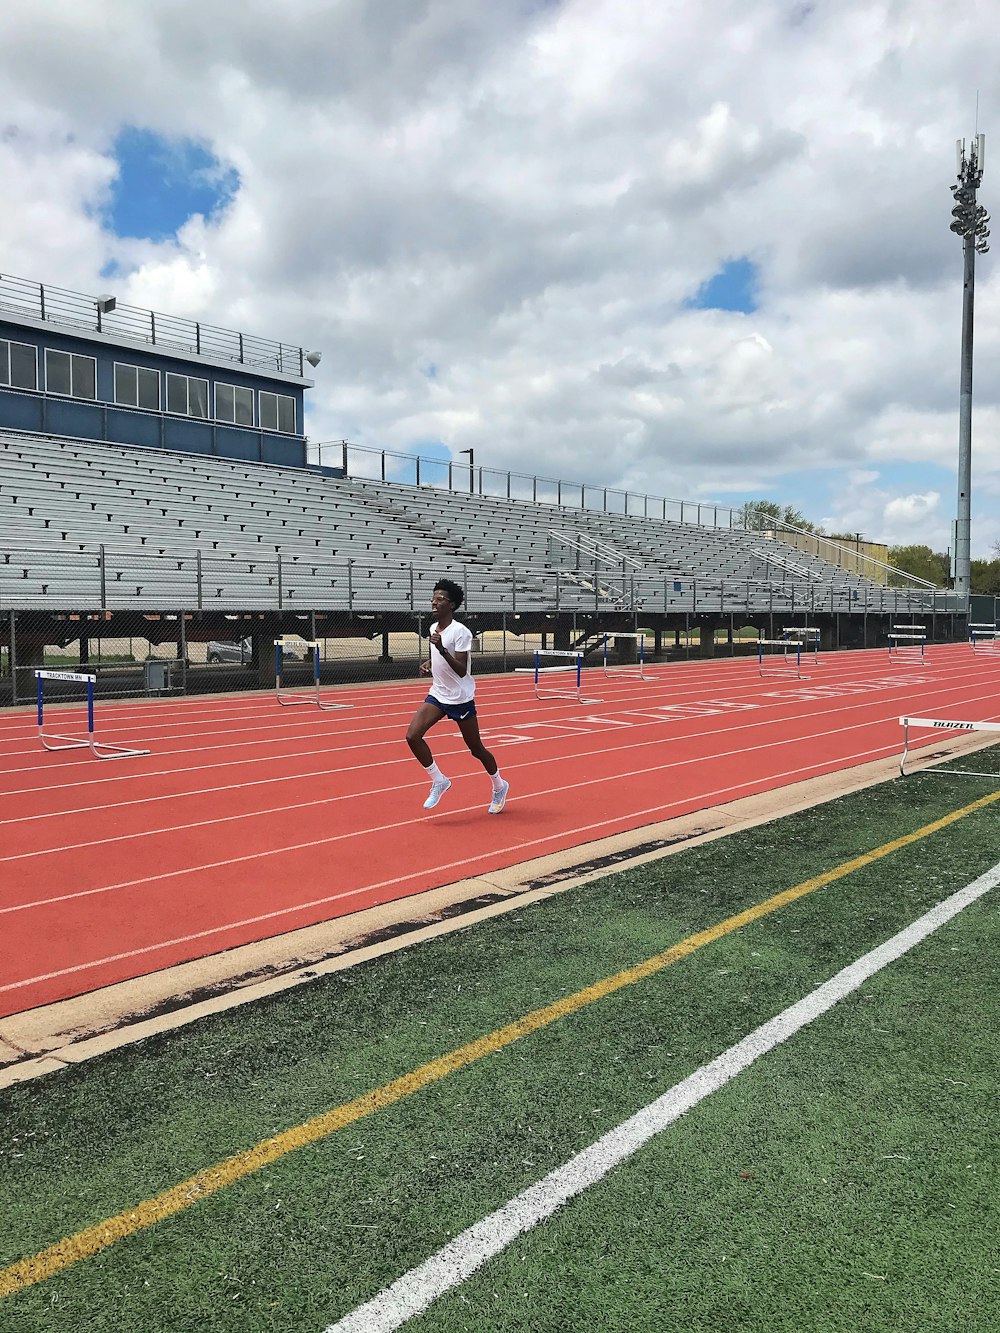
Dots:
pixel 696 250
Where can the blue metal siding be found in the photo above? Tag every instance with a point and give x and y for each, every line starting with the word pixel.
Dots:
pixel 284 450
pixel 142 428
pixel 22 409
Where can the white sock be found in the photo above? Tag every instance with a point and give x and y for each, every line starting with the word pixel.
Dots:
pixel 434 773
pixel 497 780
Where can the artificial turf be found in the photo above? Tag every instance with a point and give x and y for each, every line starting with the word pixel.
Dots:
pixel 762 1210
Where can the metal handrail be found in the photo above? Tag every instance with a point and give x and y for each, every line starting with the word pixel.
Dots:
pixel 770 559
pixel 849 557
pixel 106 567
pixel 57 305
pixel 498 483
pixel 585 545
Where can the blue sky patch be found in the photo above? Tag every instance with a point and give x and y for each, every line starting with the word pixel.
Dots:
pixel 734 287
pixel 162 182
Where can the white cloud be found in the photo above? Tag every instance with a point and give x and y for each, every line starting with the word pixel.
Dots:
pixel 911 509
pixel 525 196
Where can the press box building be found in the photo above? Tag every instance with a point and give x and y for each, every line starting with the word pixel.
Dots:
pixel 92 368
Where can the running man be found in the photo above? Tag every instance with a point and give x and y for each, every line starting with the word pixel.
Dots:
pixel 452 695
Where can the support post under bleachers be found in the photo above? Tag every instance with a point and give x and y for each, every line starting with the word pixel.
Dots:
pixel 262 663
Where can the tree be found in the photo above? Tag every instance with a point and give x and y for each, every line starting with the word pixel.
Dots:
pixel 984 576
pixel 757 514
pixel 922 563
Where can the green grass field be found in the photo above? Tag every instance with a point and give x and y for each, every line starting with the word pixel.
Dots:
pixel 847 1182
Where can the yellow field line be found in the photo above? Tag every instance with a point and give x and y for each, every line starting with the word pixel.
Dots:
pixel 84 1244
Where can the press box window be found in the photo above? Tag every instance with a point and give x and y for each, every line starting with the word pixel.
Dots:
pixel 137 386
pixel 186 396
pixel 234 404
pixel 71 375
pixel 18 365
pixel 277 412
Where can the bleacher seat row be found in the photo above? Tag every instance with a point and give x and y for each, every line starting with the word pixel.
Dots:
pixel 83 520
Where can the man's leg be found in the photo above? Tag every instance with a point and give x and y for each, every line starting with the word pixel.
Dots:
pixel 469 727
pixel 424 718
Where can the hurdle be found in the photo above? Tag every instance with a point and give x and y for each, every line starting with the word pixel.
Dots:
pixel 99 749
pixel 629 670
pixel 282 696
pixel 807 635
pixel 944 724
pixel 984 638
pixel 787 661
pixel 538 671
pixel 907 642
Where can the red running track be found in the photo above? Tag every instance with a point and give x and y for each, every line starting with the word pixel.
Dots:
pixel 248 820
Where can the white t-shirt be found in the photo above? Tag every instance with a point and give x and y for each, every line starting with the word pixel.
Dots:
pixel 448 687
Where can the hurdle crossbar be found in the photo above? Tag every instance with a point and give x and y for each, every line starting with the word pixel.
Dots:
pixel 984 636
pixel 907 642
pixel 628 670
pixel 944 724
pixel 314 700
pixel 99 749
pixel 538 671
pixel 784 645
pixel 807 635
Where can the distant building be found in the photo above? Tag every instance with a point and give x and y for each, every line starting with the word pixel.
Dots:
pixel 87 367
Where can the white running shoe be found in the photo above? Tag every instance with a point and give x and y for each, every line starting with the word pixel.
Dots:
pixel 499 798
pixel 438 789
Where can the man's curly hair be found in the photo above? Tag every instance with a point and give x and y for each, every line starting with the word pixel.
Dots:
pixel 452 591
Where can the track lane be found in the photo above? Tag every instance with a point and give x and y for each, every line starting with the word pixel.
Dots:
pixel 359 843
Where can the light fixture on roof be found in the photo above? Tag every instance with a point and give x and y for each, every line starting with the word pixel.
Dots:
pixel 472 467
pixel 105 304
pixel 314 358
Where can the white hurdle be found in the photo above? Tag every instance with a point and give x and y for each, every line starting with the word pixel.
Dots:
pixel 944 724
pixel 313 699
pixel 99 749
pixel 538 671
pixel 807 635
pixel 984 638
pixel 780 664
pixel 907 642
pixel 630 670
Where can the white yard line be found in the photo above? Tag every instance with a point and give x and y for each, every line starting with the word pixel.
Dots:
pixel 416 1290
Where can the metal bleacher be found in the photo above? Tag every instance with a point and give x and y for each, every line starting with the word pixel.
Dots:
pixel 92 524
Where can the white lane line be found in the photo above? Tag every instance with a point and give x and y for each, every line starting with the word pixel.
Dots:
pixel 512 702
pixel 496 687
pixel 444 742
pixel 415 1291
pixel 370 829
pixel 292 909
pixel 260 811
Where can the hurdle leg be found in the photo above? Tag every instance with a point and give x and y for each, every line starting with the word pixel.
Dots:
pixel 69 742
pixel 539 670
pixel 633 671
pixel 314 699
pixel 279 661
pixel 326 708
pixel 102 750
pixel 99 749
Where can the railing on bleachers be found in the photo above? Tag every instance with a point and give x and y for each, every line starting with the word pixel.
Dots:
pixel 109 578
pixel 368 464
pixel 56 305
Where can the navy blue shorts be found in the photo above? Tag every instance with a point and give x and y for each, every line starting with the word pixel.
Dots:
pixel 456 712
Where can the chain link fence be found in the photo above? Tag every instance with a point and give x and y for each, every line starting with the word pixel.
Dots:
pixel 201 623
